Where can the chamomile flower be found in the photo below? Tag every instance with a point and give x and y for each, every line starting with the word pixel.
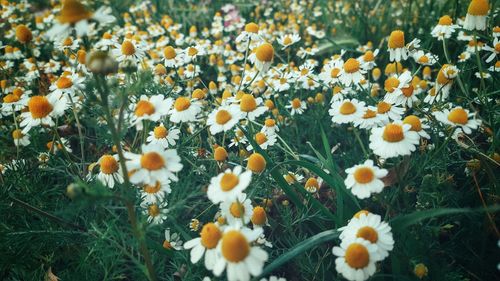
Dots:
pixel 396 46
pixel 223 118
pixel 228 185
pixel 371 118
pixel 495 50
pixel 270 127
pixel 394 85
pixel 370 227
pixel 67 84
pixel 394 139
pixel 351 72
pixel 288 40
pixel 356 259
pixel 20 139
pixel 444 28
pixel 153 164
pixel 365 179
pixel 264 56
pixel 42 110
pixel 346 111
pixel 149 108
pixel 14 102
pixel 129 50
pixel 251 32
pixel 109 170
pixel 459 118
pixel 297 106
pixel 185 110
pixel 477 13
pixel 237 255
pixel 155 193
pixel 163 136
pixel 417 125
pixel 173 57
pixel 264 140
pixel 392 112
pixel 206 244
pixel 237 211
pixel 259 217
pixel 251 107
pixel 172 240
pixel 156 212
pixel 423 58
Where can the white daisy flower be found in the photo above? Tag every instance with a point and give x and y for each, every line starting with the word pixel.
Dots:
pixel 392 112
pixel 263 140
pixel 185 110
pixel 417 125
pixel 156 212
pixel 371 119
pixel 352 72
pixel 128 50
pixel 288 40
pixel 42 110
pixel 109 170
pixel 459 118
pixel 346 111
pixel 163 136
pixel 155 193
pixel 251 107
pixel 393 85
pixel 297 106
pixel 224 118
pixel 206 244
pixel 356 259
pixel 477 14
pixel 172 240
pixel 228 185
pixel 149 108
pixel 365 179
pixel 444 28
pixel 237 211
pixel 20 139
pixel 394 139
pixel 396 45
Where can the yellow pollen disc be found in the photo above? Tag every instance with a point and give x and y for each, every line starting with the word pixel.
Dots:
pixel 357 256
pixel 220 154
pixel 363 175
pixel 210 235
pixel 256 163
pixel 160 132
pixel 252 28
pixel 248 103
pixel 383 107
pixel 335 72
pixel 270 123
pixel 152 161
pixel 260 138
pixel 229 181
pixel 423 59
pixel 192 51
pixel 312 182
pixel 393 133
pixel 287 41
pixel 144 107
pixel 235 247
pixel 153 210
pixel 414 121
pixel 296 103
pixel 368 233
pixel 237 209
pixel 169 52
pixel 67 42
pixel 369 56
pixel 478 7
pixel 107 35
pixel 152 189
pixel 497 47
pixel 17 134
pixel 445 20
pixel 396 39
pixel 369 114
pixel 222 117
pixel 408 91
pixel 64 82
pixel 265 52
pixel 167 245
pixel 10 98
pixel 109 165
pixel 391 84
pixel 347 108
pixel 182 103
pixel 259 216
pixel 39 107
pixel 351 65
pixel 23 34
pixel 458 116
pixel 73 11
pixel 128 48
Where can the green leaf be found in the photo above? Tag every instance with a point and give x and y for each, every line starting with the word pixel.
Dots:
pixel 303 246
pixel 403 221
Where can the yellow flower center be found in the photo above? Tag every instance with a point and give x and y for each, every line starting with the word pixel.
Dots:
pixel 109 165
pixel 296 103
pixel 347 108
pixel 152 161
pixel 497 47
pixel 408 91
pixel 167 245
pixel 369 114
pixel 23 34
pixel 169 52
pixel 287 41
pixel 152 189
pixel 260 138
pixel 265 52
pixel 351 65
pixel 478 7
pixel 229 181
pixel 391 84
pixel 67 42
pixel 39 107
pixel 396 39
pixel 368 233
pixel 270 123
pixel 363 175
pixel 64 82
pixel 414 121
pixel 144 107
pixel 248 103
pixel 220 154
pixel 222 117
pixel 235 247
pixel 423 59
pixel 256 163
pixel 182 103
pixel 210 235
pixel 237 209
pixel 192 51
pixel 17 134
pixel 153 210
pixel 369 56
pixel 259 216
pixel 128 48
pixel 10 98
pixel 357 256
pixel 160 132
pixel 393 133
pixel 383 107
pixel 73 11
pixel 334 73
pixel 252 28
pixel 445 20
pixel 458 116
